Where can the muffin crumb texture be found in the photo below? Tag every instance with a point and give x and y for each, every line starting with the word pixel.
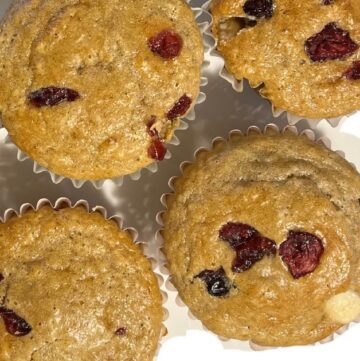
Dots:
pixel 81 80
pixel 75 287
pixel 303 55
pixel 261 237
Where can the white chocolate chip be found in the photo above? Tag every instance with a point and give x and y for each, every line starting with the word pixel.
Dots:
pixel 344 307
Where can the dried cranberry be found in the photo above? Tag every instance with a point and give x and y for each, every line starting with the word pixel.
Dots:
pixel 14 324
pixel 301 252
pixel 120 331
pixel 152 131
pixel 236 233
pixel 331 43
pixel 327 2
pixel 157 149
pixel 251 251
pixel 151 122
pixel 167 44
pixel 51 96
pixel 259 8
pixel 1 277
pixel 353 73
pixel 180 108
pixel 249 244
pixel 217 283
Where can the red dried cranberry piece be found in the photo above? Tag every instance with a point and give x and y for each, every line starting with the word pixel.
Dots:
pixel 167 44
pixel 1 277
pixel 121 331
pixel 51 96
pixel 353 73
pixel 253 250
pixel 14 324
pixel 259 8
pixel 236 233
pixel 331 43
pixel 249 244
pixel 157 150
pixel 152 131
pixel 180 108
pixel 217 283
pixel 301 252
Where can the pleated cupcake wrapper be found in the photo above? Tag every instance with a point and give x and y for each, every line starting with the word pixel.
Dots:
pixel 147 248
pixel 238 86
pixel 184 319
pixel 203 20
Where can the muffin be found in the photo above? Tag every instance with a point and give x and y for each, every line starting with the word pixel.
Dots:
pixel 75 287
pixel 261 239
pixel 304 57
pixel 94 89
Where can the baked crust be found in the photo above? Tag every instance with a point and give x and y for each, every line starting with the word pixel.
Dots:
pixel 274 183
pixel 76 279
pixel 100 49
pixel 272 54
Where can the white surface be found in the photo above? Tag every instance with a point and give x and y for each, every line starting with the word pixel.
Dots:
pixel 139 201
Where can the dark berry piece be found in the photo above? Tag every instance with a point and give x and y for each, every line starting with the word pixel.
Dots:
pixel 259 8
pixel 1 277
pixel 51 96
pixel 217 283
pixel 327 2
pixel 157 149
pixel 249 245
pixel 120 331
pixel 253 250
pixel 331 43
pixel 151 121
pixel 236 233
pixel 301 252
pixel 14 324
pixel 167 44
pixel 353 73
pixel 180 108
pixel 152 131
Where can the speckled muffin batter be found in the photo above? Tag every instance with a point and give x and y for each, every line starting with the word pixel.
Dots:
pixel 126 70
pixel 74 287
pixel 262 239
pixel 271 43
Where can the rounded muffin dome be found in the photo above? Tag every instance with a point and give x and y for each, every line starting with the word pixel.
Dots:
pixel 94 89
pixel 261 239
pixel 303 56
pixel 73 286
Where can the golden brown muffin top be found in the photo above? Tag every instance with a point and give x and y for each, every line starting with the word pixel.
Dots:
pixel 109 54
pixel 82 287
pixel 279 188
pixel 269 48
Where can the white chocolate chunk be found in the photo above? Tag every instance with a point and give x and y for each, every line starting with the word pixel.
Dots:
pixel 343 307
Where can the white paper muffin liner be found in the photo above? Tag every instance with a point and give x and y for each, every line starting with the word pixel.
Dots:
pixel 146 247
pixel 174 303
pixel 203 20
pixel 238 85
